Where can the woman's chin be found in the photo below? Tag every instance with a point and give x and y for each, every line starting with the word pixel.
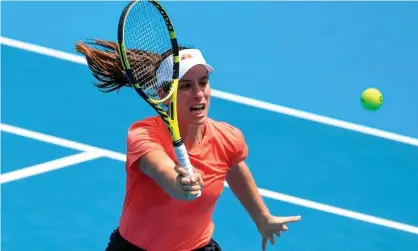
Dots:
pixel 194 119
pixel 197 120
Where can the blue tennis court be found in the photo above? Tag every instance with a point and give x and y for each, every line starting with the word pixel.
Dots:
pixel 355 189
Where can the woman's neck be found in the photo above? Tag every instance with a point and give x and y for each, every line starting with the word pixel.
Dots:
pixel 192 135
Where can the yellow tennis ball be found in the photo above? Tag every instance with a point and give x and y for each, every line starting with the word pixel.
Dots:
pixel 371 99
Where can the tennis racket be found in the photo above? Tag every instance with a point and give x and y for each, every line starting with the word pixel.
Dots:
pixel 149 55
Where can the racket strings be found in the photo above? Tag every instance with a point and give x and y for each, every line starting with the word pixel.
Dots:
pixel 147 41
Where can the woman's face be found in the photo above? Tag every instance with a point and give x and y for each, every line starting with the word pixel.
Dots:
pixel 193 96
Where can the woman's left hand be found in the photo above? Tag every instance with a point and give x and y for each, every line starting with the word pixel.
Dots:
pixel 272 225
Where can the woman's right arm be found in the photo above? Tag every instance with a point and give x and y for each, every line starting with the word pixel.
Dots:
pixel 161 168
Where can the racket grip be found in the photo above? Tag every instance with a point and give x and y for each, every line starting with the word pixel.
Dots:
pixel 184 161
pixel 183 158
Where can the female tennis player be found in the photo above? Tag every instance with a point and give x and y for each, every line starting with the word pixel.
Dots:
pixel 157 214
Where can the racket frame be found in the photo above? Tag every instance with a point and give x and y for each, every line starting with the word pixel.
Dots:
pixel 170 117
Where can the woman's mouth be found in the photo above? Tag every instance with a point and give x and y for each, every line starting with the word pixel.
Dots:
pixel 198 109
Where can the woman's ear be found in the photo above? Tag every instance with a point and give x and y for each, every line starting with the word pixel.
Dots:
pixel 161 93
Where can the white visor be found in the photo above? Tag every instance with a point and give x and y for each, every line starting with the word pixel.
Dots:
pixel 188 59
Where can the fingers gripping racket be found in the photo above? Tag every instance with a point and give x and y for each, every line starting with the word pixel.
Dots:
pixel 150 58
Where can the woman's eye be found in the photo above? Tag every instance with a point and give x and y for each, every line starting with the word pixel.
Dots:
pixel 184 86
pixel 204 82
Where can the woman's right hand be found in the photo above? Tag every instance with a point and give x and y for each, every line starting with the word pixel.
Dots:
pixel 191 186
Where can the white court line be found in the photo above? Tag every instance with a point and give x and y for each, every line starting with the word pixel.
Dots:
pixel 338 211
pixel 49 166
pixel 60 141
pixel 234 98
pixel 264 192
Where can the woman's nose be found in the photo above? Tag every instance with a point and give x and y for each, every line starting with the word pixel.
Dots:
pixel 198 92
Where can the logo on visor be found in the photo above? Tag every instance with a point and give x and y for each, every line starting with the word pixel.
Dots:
pixel 186 56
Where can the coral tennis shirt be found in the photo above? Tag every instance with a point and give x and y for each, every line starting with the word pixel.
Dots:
pixel 154 221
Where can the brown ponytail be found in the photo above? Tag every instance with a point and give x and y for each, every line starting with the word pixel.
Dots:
pixel 105 65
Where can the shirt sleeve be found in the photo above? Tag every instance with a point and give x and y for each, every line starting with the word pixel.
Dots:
pixel 240 147
pixel 143 137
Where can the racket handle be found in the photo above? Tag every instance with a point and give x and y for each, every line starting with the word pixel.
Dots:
pixel 184 161
pixel 183 158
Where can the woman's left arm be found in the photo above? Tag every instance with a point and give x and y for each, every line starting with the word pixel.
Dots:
pixel 242 184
